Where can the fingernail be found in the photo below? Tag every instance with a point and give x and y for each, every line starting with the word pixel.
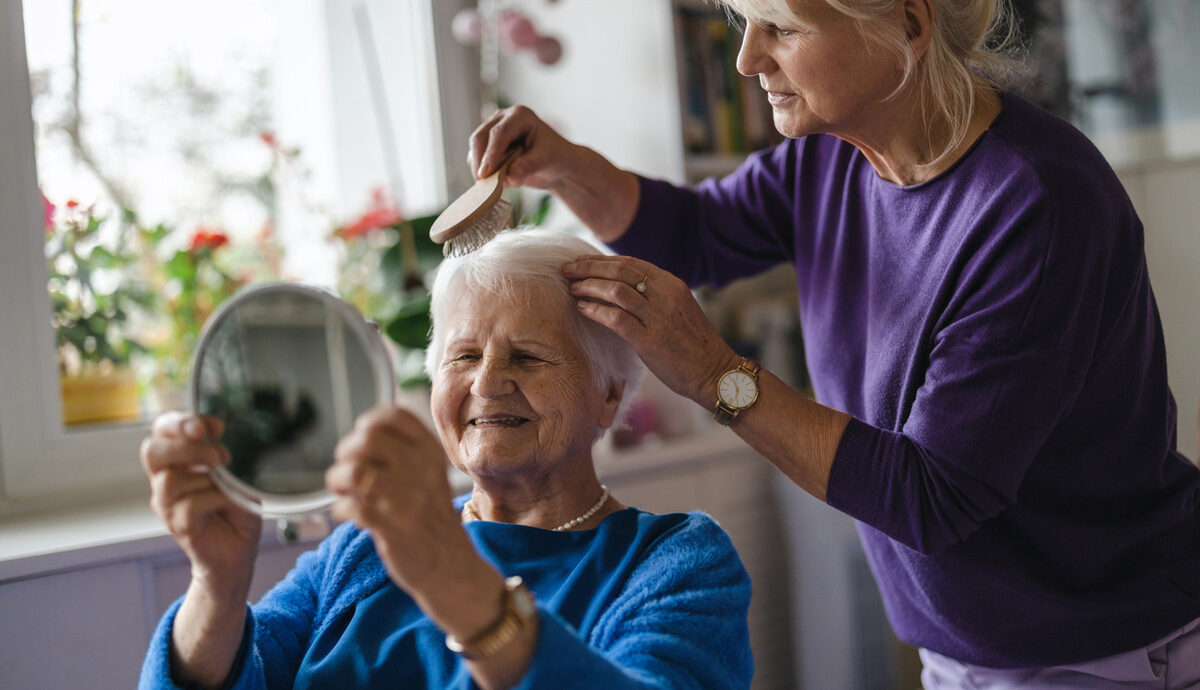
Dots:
pixel 571 267
pixel 193 429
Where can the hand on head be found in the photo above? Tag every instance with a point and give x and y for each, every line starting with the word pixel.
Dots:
pixel 219 537
pixel 657 314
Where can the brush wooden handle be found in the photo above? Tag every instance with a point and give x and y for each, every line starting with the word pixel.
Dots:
pixel 474 204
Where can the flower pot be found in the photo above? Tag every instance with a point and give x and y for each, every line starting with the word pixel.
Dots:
pixel 109 397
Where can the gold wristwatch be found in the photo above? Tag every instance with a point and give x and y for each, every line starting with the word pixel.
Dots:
pixel 517 608
pixel 737 389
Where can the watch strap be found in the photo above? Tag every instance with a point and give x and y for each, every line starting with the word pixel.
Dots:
pixel 724 414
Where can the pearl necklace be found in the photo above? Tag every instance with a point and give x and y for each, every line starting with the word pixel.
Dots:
pixel 469 514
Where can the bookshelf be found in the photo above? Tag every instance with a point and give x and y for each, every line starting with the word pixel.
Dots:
pixel 723 115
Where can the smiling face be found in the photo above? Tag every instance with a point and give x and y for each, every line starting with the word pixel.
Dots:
pixel 820 74
pixel 513 394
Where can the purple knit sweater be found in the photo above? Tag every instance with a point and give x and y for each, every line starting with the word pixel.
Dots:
pixel 1012 458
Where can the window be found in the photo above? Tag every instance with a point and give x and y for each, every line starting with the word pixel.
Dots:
pixel 188 107
pixel 1121 70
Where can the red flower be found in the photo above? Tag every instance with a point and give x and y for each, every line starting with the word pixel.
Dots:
pixel 269 139
pixel 71 203
pixel 204 238
pixel 382 214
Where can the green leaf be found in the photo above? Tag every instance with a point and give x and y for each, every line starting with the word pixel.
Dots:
pixel 182 267
pixel 391 268
pixel 539 213
pixel 141 296
pixel 101 257
pixel 415 381
pixel 410 325
pixel 156 234
pixel 429 253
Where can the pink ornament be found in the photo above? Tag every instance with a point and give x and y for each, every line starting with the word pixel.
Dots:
pixel 518 32
pixel 467 27
pixel 47 212
pixel 548 50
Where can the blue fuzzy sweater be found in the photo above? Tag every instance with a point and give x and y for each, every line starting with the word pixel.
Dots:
pixel 642 601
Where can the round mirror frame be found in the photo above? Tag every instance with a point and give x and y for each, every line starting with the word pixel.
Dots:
pixel 266 504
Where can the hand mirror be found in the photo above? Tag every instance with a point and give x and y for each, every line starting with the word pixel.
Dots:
pixel 287 368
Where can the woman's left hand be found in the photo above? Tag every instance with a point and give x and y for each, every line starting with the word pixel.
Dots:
pixel 656 313
pixel 389 475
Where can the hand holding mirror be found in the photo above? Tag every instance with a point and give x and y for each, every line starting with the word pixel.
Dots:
pixel 287 368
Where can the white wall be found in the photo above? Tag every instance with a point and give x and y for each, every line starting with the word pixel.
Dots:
pixel 614 89
pixel 1167 197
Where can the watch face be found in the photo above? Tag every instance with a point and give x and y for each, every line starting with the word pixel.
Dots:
pixel 737 389
pixel 522 598
pixel 523 603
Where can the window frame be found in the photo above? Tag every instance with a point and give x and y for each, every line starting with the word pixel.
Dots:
pixel 44 464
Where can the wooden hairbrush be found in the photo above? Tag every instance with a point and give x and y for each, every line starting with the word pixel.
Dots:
pixel 476 216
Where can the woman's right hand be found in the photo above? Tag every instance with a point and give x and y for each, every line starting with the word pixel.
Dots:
pixel 545 161
pixel 219 537
pixel 599 193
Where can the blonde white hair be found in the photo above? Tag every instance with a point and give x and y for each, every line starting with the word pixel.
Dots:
pixel 974 46
pixel 507 266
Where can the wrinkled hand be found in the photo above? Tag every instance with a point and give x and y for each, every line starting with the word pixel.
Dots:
pixel 547 157
pixel 664 324
pixel 389 475
pixel 219 537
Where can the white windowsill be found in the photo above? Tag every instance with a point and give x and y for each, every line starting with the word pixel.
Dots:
pixel 34 544
pixel 38 543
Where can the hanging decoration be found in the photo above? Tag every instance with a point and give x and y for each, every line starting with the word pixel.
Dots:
pixel 496 29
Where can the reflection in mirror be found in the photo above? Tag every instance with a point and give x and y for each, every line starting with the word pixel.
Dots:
pixel 287 368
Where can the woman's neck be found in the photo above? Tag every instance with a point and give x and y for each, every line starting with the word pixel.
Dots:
pixel 541 500
pixel 901 146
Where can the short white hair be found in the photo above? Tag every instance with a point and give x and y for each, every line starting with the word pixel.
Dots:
pixel 532 257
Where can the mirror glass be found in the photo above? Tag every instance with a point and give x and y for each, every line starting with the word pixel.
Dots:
pixel 287 368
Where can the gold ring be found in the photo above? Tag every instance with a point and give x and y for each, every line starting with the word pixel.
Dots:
pixel 641 287
pixel 369 477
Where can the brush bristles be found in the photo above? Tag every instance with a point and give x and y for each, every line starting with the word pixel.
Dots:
pixel 479 233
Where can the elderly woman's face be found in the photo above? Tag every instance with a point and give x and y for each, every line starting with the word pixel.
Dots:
pixel 820 74
pixel 513 393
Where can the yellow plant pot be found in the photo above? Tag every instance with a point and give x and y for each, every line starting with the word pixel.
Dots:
pixel 100 398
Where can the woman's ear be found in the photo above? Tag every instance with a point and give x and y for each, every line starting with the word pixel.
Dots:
pixel 612 401
pixel 918 24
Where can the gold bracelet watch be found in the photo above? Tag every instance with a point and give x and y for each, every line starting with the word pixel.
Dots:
pixel 517 609
pixel 737 390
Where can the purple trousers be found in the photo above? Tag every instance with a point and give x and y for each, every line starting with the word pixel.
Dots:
pixel 1168 664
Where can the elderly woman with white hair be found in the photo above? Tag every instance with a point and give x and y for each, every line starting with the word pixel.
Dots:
pixel 539 578
pixel 979 326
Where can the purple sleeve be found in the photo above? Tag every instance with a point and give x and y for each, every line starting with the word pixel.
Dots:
pixel 721 230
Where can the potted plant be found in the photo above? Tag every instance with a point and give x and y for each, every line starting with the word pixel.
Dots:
pixel 94 296
pixel 189 281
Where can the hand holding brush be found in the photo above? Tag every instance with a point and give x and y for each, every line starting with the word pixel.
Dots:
pixel 476 216
pixel 601 195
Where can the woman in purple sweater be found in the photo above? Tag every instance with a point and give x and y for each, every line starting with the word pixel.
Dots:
pixel 992 401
